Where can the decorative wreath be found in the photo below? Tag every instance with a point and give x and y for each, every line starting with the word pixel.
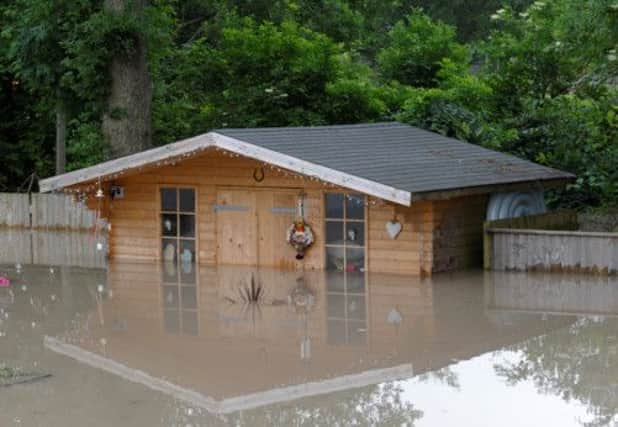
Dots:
pixel 300 236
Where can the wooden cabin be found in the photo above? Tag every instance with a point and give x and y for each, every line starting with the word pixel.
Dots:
pixel 382 197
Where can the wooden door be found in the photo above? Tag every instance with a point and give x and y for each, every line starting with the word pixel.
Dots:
pixel 236 227
pixel 252 226
pixel 276 212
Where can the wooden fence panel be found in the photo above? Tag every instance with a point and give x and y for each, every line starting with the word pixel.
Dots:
pixel 15 246
pixel 14 210
pixel 49 211
pixel 551 250
pixel 57 248
pixel 568 294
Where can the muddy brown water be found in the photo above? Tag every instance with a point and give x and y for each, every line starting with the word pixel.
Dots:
pixel 178 345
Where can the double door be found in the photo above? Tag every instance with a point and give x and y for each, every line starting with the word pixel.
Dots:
pixel 252 226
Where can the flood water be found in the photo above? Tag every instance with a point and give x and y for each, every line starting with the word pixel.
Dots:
pixel 153 344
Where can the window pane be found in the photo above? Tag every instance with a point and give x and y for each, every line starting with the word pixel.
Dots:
pixel 189 296
pixel 171 321
pixel 170 296
pixel 334 259
pixel 189 323
pixel 187 251
pixel 355 260
pixel 168 199
pixel 187 273
pixel 356 332
pixel 187 200
pixel 168 247
pixel 336 305
pixel 334 232
pixel 168 224
pixel 356 307
pixel 336 332
pixel 355 206
pixel 334 205
pixel 169 272
pixel 187 225
pixel 355 233
pixel 355 283
pixel 335 281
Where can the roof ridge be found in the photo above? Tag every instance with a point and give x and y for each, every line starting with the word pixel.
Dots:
pixel 312 127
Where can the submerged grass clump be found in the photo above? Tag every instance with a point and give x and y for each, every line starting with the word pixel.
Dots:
pixel 6 372
pixel 11 376
pixel 251 292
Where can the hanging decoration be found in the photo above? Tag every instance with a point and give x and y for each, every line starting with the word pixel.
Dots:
pixel 299 234
pixel 393 228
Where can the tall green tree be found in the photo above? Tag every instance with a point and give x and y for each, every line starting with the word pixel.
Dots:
pixel 36 31
pixel 127 118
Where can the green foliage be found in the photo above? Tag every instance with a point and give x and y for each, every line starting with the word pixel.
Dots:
pixel 263 75
pixel 539 83
pixel 86 145
pixel 416 49
pixel 26 133
pixel 458 107
pixel 545 91
pixel 571 363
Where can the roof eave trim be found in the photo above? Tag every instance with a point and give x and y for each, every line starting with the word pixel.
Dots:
pixel 125 164
pixel 539 184
pixel 303 167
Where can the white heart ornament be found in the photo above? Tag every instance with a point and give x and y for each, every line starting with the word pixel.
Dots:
pixel 393 228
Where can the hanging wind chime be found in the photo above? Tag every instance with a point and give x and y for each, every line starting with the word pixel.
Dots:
pixel 299 234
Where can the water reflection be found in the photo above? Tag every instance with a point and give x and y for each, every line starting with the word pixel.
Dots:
pixel 191 345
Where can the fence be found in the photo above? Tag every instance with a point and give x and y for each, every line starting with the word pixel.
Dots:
pixel 549 293
pixel 47 211
pixel 548 242
pixel 57 248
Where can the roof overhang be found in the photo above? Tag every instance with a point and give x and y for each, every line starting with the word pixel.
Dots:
pixel 193 146
pixel 527 185
pixel 281 394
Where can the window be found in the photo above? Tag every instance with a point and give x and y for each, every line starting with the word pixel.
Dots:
pixel 346 308
pixel 177 218
pixel 345 232
pixel 180 298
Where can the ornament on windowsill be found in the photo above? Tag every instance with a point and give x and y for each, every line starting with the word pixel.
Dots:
pixel 299 234
pixel 393 228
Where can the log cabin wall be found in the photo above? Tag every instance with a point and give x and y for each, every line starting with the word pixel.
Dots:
pixel 458 233
pixel 422 247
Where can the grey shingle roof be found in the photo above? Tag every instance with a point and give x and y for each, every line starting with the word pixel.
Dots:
pixel 391 161
pixel 398 155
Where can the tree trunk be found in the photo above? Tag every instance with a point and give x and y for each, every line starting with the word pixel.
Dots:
pixel 61 137
pixel 127 121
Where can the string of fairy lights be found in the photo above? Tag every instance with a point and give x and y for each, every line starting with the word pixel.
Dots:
pixel 82 192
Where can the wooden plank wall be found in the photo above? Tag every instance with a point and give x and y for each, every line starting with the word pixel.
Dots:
pixel 135 226
pixel 458 233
